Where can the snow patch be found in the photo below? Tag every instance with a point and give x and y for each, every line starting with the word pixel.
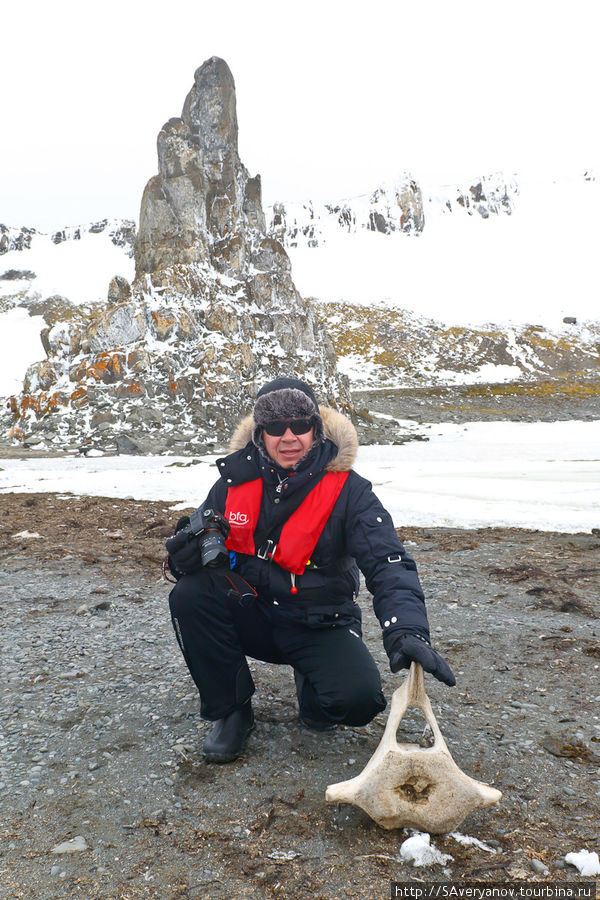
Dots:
pixel 588 863
pixel 540 475
pixel 79 269
pixel 471 841
pixel 419 850
pixel 20 346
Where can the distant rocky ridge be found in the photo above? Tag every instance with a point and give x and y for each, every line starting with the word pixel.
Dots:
pixel 120 231
pixel 172 360
pixel 490 195
pixel 394 208
pixel 399 207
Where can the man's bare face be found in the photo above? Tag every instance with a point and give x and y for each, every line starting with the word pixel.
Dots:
pixel 288 448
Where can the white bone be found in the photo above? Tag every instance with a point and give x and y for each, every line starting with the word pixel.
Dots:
pixel 407 785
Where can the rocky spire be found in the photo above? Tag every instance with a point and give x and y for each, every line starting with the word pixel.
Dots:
pixel 202 203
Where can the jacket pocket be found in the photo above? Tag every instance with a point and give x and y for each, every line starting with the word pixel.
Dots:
pixel 325 614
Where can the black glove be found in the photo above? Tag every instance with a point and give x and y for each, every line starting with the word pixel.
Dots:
pixel 184 549
pixel 403 648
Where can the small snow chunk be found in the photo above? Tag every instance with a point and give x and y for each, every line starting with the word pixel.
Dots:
pixel 420 852
pixel 466 839
pixel 587 862
pixel 27 534
pixel 74 845
pixel 94 453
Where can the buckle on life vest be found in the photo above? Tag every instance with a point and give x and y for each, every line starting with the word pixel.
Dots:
pixel 267 550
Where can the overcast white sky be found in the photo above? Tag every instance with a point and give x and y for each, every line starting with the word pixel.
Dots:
pixel 333 97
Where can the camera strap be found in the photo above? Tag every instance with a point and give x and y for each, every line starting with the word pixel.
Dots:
pixel 196 522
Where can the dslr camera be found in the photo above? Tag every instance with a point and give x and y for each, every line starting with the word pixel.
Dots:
pixel 200 542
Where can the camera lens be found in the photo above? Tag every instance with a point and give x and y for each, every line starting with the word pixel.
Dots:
pixel 213 549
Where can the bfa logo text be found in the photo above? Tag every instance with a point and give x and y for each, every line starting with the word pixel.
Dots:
pixel 238 518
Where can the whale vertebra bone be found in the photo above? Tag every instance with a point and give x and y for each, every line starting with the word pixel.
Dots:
pixel 407 785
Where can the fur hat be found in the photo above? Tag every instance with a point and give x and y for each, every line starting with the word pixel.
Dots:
pixel 285 398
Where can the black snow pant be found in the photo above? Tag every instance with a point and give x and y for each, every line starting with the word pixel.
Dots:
pixel 219 621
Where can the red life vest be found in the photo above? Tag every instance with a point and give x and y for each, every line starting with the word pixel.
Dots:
pixel 300 533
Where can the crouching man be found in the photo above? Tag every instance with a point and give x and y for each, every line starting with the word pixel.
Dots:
pixel 289 524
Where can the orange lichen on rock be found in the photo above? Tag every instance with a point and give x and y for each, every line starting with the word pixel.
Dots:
pixel 16 433
pixel 138 360
pixel 79 396
pixel 128 389
pixel 79 373
pixel 40 403
pixel 163 323
pixel 106 365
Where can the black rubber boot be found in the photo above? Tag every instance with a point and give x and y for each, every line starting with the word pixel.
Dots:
pixel 228 737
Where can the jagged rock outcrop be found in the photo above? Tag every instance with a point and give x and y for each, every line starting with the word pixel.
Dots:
pixel 490 195
pixel 120 231
pixel 400 208
pixel 174 358
pixel 15 238
pixel 391 208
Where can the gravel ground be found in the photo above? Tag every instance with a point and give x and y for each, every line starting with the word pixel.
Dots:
pixel 521 401
pixel 100 734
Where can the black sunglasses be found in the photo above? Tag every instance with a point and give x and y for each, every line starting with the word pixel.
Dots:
pixel 298 426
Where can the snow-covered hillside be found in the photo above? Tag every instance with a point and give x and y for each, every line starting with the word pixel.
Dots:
pixel 526 254
pixel 399 207
pixel 500 282
pixel 75 263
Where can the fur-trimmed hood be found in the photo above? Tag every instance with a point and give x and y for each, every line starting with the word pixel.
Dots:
pixel 338 429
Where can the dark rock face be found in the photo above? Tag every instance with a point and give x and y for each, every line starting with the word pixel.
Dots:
pixel 18 275
pixel 492 195
pixel 15 238
pixel 378 223
pixel 173 360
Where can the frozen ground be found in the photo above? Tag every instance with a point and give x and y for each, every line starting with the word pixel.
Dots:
pixel 542 475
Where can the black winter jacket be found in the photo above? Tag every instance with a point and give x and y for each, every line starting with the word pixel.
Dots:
pixel 359 534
